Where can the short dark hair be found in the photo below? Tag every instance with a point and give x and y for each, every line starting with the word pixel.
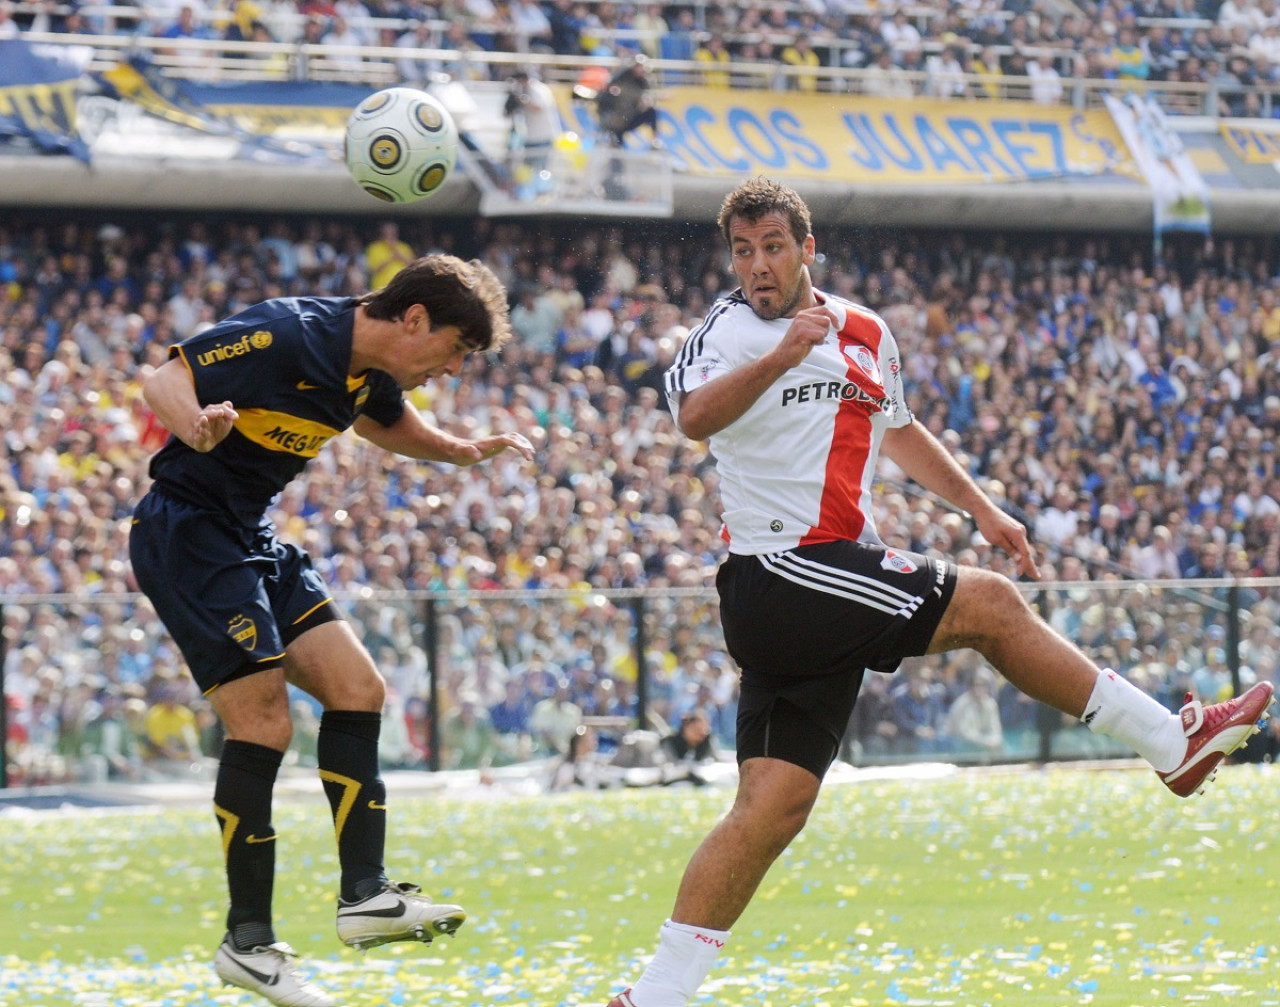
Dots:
pixel 454 292
pixel 758 196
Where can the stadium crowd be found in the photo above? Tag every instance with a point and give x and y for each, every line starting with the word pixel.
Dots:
pixel 1234 46
pixel 1128 412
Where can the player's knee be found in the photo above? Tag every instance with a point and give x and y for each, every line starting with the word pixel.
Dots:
pixel 364 689
pixel 985 608
pixel 269 726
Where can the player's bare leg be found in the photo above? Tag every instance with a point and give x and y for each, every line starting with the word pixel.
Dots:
pixel 989 614
pixel 772 805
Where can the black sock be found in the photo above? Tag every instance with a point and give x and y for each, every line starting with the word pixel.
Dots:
pixel 242 804
pixel 347 753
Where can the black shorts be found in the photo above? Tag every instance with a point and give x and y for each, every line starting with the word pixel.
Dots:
pixel 803 625
pixel 232 597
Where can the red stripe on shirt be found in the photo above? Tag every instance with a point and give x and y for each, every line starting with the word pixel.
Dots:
pixel 839 516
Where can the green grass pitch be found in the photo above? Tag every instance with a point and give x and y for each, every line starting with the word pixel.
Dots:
pixel 1019 888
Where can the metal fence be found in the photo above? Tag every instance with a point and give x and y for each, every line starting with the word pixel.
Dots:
pixel 220 60
pixel 79 674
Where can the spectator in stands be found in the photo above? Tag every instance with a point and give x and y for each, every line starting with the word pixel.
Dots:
pixel 972 723
pixel 340 33
pixel 714 53
pixel 554 720
pixel 467 736
pixel 110 737
pixel 917 708
pixel 680 42
pixel 652 26
pixel 1046 84
pixel 900 35
pixel 531 26
pixel 986 64
pixel 688 747
pixel 412 70
pixel 510 718
pixel 1124 58
pixel 947 74
pixel 566 22
pixel 801 54
pixel 884 79
pixel 171 734
pixel 185 25
pixel 387 255
pixel 8 27
pixel 535 319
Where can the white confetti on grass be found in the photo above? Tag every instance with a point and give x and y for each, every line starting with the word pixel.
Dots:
pixel 1027 888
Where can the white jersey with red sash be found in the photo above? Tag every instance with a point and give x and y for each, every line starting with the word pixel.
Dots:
pixel 796 468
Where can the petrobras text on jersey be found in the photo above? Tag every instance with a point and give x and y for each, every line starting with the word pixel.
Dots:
pixel 846 391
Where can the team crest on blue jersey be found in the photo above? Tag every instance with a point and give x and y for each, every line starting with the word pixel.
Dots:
pixel 897 562
pixel 866 363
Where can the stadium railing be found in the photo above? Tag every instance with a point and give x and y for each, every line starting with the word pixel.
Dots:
pixel 660 652
pixel 218 60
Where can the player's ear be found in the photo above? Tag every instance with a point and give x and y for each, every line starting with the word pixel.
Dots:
pixel 810 248
pixel 416 318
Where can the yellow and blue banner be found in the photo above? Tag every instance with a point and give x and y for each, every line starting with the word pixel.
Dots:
pixel 38 100
pixel 188 104
pixel 1252 143
pixel 869 140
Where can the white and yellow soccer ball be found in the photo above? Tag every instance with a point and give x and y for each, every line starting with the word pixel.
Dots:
pixel 401 144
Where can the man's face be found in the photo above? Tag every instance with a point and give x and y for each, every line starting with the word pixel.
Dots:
pixel 771 266
pixel 424 353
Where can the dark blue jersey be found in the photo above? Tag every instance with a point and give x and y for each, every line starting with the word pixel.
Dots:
pixel 283 364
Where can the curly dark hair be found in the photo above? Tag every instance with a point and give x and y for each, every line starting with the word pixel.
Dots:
pixel 757 196
pixel 454 292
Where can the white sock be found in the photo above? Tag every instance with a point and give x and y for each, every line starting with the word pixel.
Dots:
pixel 1121 710
pixel 684 957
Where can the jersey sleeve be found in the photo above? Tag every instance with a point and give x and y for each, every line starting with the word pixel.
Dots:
pixel 898 413
pixel 385 403
pixel 700 361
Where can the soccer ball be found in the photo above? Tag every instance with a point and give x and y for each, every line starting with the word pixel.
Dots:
pixel 400 145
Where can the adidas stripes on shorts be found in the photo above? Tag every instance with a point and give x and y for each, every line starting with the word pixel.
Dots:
pixel 804 625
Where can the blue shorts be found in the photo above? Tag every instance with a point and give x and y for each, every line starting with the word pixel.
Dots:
pixel 232 597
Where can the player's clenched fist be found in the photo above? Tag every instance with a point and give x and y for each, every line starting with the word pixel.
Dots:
pixel 809 328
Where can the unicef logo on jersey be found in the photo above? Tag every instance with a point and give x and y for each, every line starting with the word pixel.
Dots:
pixel 866 363
pixel 896 562
pixel 260 340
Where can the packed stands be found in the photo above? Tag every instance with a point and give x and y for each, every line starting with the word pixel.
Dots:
pixel 1128 410
pixel 1219 59
pixel 1129 413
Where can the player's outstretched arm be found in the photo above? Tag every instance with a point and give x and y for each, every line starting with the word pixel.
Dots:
pixel 171 394
pixel 920 455
pixel 414 437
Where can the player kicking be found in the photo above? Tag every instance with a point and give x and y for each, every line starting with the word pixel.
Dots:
pixel 798 391
pixel 249 402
